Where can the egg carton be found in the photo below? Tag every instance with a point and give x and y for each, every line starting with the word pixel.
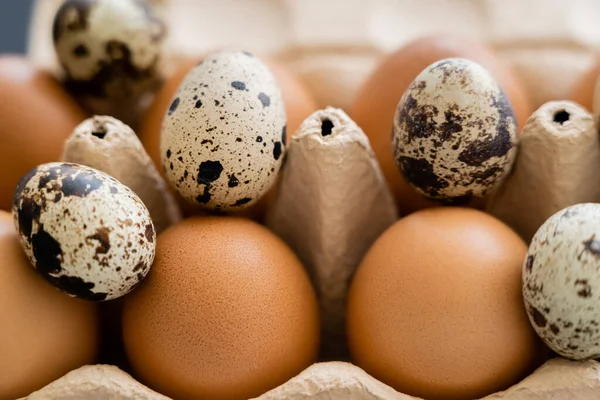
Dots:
pixel 334 65
pixel 557 379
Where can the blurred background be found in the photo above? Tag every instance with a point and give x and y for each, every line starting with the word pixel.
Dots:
pixel 14 16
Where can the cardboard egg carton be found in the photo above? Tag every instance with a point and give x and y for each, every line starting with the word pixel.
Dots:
pixel 557 379
pixel 333 59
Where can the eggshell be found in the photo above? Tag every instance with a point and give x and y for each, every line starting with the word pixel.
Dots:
pixel 223 137
pixel 299 104
pixel 583 89
pixel 37 116
pixel 561 285
pixel 110 50
pixel 454 132
pixel 374 106
pixel 227 312
pixel 435 309
pixel 84 231
pixel 44 333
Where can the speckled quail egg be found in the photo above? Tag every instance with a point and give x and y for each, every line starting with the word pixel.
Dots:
pixel 454 135
pixel 561 283
pixel 108 48
pixel 85 232
pixel 223 137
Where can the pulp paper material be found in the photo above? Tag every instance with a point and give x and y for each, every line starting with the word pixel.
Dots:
pixel 333 45
pixel 557 166
pixel 557 379
pixel 333 202
pixel 120 153
pixel 96 382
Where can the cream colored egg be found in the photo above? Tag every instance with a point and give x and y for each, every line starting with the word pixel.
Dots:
pixel 454 132
pixel 85 232
pixel 561 285
pixel 223 137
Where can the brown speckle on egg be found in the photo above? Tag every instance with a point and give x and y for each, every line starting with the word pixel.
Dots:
pixel 85 255
pixel 109 49
pixel 560 285
pixel 454 132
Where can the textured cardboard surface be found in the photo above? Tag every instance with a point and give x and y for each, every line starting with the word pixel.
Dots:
pixel 555 168
pixel 557 379
pixel 333 202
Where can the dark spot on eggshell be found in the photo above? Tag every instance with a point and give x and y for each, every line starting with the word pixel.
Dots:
pixel 555 330
pixel 277 150
pixel 495 145
pixel 78 8
pixel 174 105
pixel 264 99
pixel 259 139
pixel 149 233
pixel 248 53
pixel 209 171
pixel 103 239
pixel 77 287
pixel 47 252
pixel 584 288
pixel 139 267
pixel 217 103
pixel 538 317
pixel 205 196
pixel 419 172
pixel 80 185
pixel 21 186
pixel 27 213
pixel 451 125
pixel 198 104
pixel 51 175
pixel 529 263
pixel 238 85
pixel 233 181
pixel 241 202
pixel 417 121
pixel 592 246
pixel 114 190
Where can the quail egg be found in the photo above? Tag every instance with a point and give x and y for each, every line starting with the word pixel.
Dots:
pixel 454 134
pixel 223 137
pixel 85 232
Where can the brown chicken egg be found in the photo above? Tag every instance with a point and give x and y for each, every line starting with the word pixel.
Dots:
pixel 374 106
pixel 583 90
pixel 299 104
pixel 227 312
pixel 44 333
pixel 37 116
pixel 435 309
